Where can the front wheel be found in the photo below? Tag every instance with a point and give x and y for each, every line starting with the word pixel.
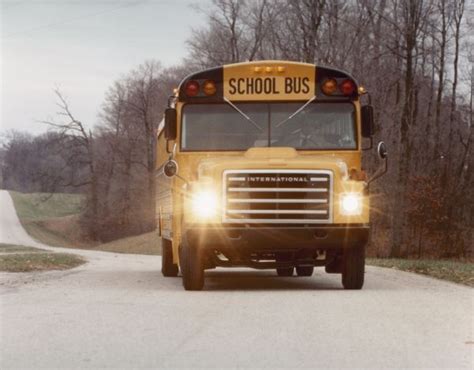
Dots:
pixel 168 268
pixel 192 267
pixel 285 271
pixel 304 270
pixel 353 267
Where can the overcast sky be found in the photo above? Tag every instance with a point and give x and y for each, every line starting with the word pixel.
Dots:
pixel 81 47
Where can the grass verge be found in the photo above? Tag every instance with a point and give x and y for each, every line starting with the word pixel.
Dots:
pixel 17 258
pixel 41 206
pixel 148 243
pixel 58 232
pixel 454 271
pixel 54 220
pixel 11 248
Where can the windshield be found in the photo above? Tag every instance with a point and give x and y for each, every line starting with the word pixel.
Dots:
pixel 318 126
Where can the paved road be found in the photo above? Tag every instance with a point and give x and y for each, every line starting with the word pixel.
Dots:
pixel 118 311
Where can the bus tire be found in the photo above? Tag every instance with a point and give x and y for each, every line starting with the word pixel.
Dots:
pixel 353 267
pixel 304 270
pixel 168 268
pixel 192 267
pixel 285 271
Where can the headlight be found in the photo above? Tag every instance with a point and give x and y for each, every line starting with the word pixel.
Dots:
pixel 204 204
pixel 351 204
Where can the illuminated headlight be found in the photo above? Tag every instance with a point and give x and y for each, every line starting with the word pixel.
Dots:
pixel 351 204
pixel 204 204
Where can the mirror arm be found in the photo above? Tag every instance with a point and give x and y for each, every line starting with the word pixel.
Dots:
pixel 182 179
pixel 171 101
pixel 171 152
pixel 168 149
pixel 178 176
pixel 378 173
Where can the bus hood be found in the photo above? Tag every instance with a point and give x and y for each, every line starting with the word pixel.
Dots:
pixel 277 158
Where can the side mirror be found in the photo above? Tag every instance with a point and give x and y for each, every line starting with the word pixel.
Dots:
pixel 367 114
pixel 171 168
pixel 382 150
pixel 382 170
pixel 170 124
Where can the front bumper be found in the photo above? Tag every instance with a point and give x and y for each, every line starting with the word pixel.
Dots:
pixel 257 239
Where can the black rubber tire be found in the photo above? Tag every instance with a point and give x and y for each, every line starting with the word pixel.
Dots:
pixel 353 268
pixel 285 271
pixel 168 268
pixel 304 270
pixel 192 267
pixel 334 266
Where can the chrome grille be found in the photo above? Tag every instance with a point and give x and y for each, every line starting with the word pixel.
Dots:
pixel 277 196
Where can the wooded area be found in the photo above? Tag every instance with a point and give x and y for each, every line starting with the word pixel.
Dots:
pixel 415 57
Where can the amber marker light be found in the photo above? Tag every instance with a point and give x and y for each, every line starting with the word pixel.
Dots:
pixel 192 88
pixel 329 87
pixel 209 88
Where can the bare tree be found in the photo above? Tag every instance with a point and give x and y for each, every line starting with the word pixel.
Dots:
pixel 412 15
pixel 458 12
pixel 79 141
pixel 444 13
pixel 236 32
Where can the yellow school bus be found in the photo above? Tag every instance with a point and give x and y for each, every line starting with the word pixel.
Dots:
pixel 259 165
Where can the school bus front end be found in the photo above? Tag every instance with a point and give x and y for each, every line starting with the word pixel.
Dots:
pixel 259 165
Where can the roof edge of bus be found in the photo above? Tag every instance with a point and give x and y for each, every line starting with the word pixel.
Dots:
pixel 269 61
pixel 197 73
pixel 217 69
pixel 216 74
pixel 342 71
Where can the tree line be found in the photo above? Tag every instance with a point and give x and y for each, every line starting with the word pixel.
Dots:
pixel 410 55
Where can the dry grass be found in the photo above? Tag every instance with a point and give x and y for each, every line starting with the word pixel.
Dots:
pixel 148 243
pixel 56 221
pixel 456 271
pixel 26 262
pixel 12 248
pixel 18 258
pixel 59 232
pixel 65 232
pixel 51 219
pixel 42 206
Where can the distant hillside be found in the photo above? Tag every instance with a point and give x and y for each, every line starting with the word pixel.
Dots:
pixel 54 219
pixel 40 206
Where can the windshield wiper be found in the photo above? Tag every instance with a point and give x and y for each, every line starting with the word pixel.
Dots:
pixel 242 113
pixel 296 112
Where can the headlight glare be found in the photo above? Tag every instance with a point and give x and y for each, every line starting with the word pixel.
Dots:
pixel 204 204
pixel 351 204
